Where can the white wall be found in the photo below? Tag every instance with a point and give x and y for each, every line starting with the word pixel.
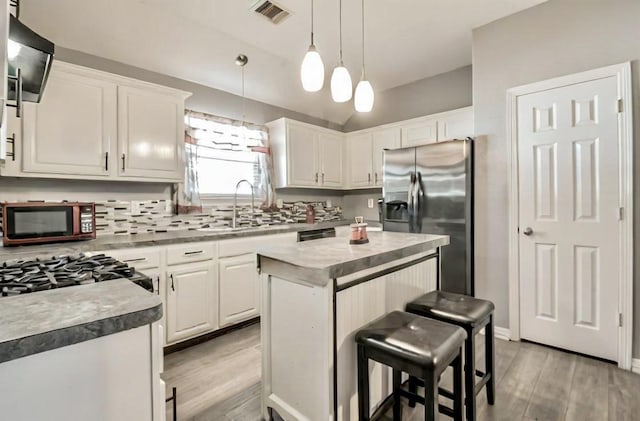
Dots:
pixel 556 38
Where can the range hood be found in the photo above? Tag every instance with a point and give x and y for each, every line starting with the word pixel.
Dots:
pixel 33 55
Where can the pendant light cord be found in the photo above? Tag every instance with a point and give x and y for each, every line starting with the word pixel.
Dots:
pixel 340 32
pixel 311 22
pixel 243 100
pixel 363 74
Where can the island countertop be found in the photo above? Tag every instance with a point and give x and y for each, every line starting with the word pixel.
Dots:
pixel 46 320
pixel 319 261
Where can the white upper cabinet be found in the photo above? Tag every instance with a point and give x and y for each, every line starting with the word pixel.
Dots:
pixel 151 127
pixel 360 165
pixel 72 129
pixel 420 133
pixel 365 155
pixel 457 124
pixel 4 35
pixel 96 125
pixel 305 155
pixel 330 159
pixel 381 140
pixel 302 157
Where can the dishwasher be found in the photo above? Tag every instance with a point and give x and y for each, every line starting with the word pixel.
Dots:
pixel 316 234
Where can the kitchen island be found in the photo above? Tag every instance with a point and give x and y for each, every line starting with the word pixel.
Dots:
pixel 315 296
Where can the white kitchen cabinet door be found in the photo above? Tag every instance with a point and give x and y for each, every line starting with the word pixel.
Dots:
pixel 330 148
pixel 381 140
pixel 151 133
pixel 458 125
pixel 159 288
pixel 422 133
pixel 191 300
pixel 4 35
pixel 302 156
pixel 360 152
pixel 239 292
pixel 70 131
pixel 11 165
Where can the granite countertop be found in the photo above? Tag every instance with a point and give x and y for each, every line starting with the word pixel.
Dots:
pixel 320 261
pixel 112 242
pixel 46 320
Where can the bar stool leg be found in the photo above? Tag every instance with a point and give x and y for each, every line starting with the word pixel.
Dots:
pixel 363 384
pixel 413 388
pixel 470 375
pixel 458 400
pixel 430 398
pixel 490 357
pixel 397 404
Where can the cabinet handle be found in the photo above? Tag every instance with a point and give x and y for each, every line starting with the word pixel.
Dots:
pixel 322 178
pixel 375 177
pixel 123 156
pixel 191 253
pixel 316 177
pixel 139 259
pixel 17 79
pixel 369 177
pixel 173 288
pixel 158 289
pixel 12 140
pixel 106 161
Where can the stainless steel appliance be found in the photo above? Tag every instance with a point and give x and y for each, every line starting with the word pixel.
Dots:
pixel 429 189
pixel 316 234
pixel 32 275
pixel 42 222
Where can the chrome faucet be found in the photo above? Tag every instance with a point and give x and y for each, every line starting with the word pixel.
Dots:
pixel 235 201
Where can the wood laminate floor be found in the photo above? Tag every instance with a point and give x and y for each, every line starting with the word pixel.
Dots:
pixel 220 381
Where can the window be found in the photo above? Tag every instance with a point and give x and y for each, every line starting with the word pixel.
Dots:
pixel 224 152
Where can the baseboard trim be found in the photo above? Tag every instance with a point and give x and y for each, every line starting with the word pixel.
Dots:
pixel 635 365
pixel 503 333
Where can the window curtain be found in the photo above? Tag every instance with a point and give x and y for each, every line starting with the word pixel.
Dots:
pixel 207 132
pixel 188 194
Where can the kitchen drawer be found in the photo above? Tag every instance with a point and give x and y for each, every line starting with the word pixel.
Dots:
pixel 139 258
pixel 192 252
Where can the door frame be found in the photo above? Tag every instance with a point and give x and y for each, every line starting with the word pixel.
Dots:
pixel 622 72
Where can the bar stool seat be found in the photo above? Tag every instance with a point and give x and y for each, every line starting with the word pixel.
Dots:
pixel 472 314
pixel 415 345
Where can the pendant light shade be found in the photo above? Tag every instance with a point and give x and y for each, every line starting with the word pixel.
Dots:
pixel 312 68
pixel 364 91
pixel 364 97
pixel 341 85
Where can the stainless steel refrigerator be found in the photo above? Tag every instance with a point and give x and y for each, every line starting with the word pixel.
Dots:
pixel 429 189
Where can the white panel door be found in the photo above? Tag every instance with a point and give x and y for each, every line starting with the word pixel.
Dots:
pixel 360 152
pixel 330 147
pixel 302 156
pixel 569 227
pixel 383 139
pixel 239 291
pixel 151 133
pixel 191 303
pixel 422 133
pixel 70 131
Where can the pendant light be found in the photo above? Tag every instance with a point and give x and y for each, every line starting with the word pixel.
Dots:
pixel 364 92
pixel 312 68
pixel 341 86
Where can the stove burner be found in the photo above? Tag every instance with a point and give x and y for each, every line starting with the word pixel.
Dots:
pixel 26 276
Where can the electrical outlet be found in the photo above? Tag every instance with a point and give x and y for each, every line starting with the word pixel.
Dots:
pixel 135 207
pixel 370 203
pixel 329 203
pixel 279 203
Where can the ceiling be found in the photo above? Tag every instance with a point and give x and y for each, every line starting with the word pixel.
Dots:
pixel 198 40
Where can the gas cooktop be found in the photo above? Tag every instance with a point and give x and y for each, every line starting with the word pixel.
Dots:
pixel 25 276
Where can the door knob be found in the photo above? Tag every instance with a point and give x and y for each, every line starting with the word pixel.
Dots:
pixel 527 231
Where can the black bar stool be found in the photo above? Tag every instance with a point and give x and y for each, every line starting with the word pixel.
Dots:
pixel 471 314
pixel 417 346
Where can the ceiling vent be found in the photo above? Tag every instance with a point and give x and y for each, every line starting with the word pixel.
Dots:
pixel 270 10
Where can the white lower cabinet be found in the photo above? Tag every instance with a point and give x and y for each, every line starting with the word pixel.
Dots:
pixel 239 291
pixel 191 300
